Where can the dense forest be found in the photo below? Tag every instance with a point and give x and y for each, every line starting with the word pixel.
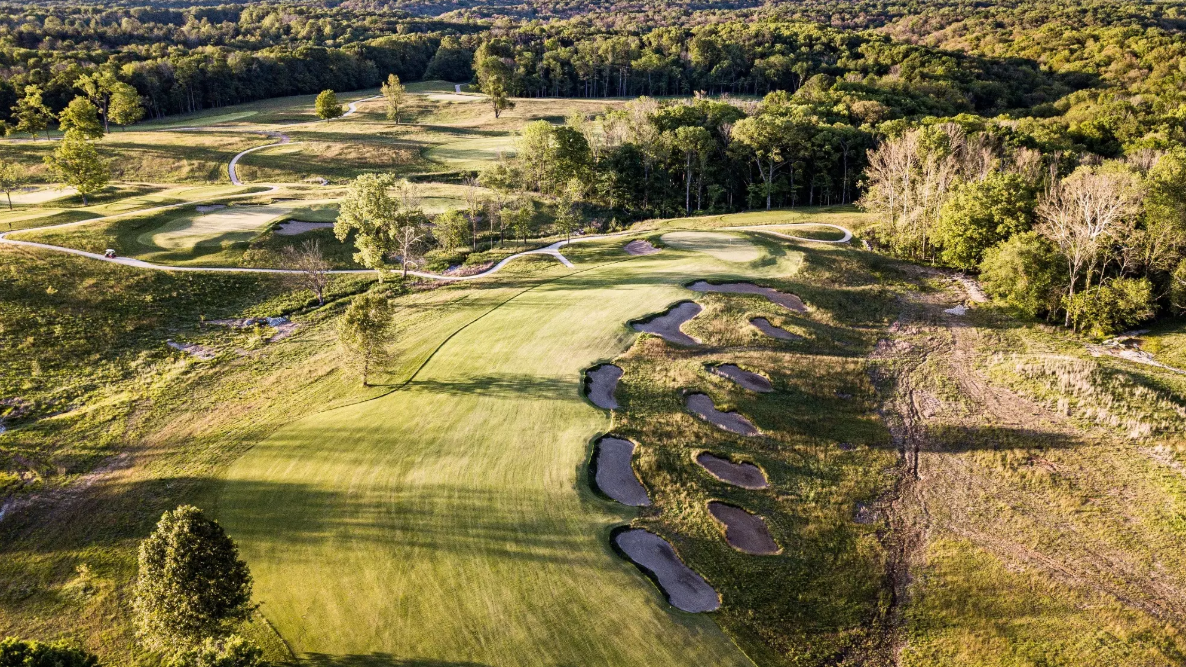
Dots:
pixel 965 125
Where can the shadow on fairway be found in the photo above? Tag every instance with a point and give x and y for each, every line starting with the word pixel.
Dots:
pixel 379 660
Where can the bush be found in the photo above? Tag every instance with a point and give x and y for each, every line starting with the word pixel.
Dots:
pixel 1025 273
pixel 981 215
pixel 191 583
pixel 1112 307
pixel 1178 288
pixel 327 105
pixel 19 653
pixel 233 651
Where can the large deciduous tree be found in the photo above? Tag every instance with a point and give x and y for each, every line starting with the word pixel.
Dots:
pixel 370 212
pixel 365 330
pixel 76 162
pixel 327 105
pixel 191 583
pixel 395 96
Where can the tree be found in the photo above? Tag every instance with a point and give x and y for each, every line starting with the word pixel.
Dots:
pixel 473 206
pixel 192 585
pixel 365 330
pixel 451 230
pixel 82 117
pixel 767 137
pixel 534 150
pixel 494 79
pixel 20 653
pixel 1024 273
pixel 101 88
pixel 311 266
pixel 395 94
pixel 31 114
pixel 1111 308
pixel 692 141
pixel 231 651
pixel 521 218
pixel 124 107
pixel 327 105
pixel 12 176
pixel 981 214
pixel 1080 214
pixel 568 218
pixel 1178 287
pixel 371 213
pixel 76 162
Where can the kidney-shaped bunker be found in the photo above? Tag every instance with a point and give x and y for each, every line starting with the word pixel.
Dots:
pixel 600 383
pixel 744 531
pixel 667 325
pixel 685 589
pixel 702 406
pixel 745 379
pixel 745 475
pixel 788 301
pixel 762 324
pixel 614 472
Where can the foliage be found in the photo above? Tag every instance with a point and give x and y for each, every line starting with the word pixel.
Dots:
pixel 12 176
pixel 19 653
pixel 76 162
pixel 451 230
pixel 366 329
pixel 311 266
pixel 191 584
pixel 230 651
pixel 395 95
pixel 327 105
pixel 1025 273
pixel 369 212
pixel 82 117
pixel 1112 307
pixel 1178 288
pixel 981 214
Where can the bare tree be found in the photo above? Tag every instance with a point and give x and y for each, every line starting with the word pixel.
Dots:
pixel 473 205
pixel 312 267
pixel 1084 215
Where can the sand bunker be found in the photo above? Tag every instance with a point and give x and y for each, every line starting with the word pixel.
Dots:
pixel 294 227
pixel 789 301
pixel 600 383
pixel 615 474
pixel 744 531
pixel 745 475
pixel 640 247
pixel 667 325
pixel 762 324
pixel 685 589
pixel 746 379
pixel 702 406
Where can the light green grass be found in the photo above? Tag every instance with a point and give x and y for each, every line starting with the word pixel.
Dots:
pixel 448 521
pixel 725 247
pixel 473 153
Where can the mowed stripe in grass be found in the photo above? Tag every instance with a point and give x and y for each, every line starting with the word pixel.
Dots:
pixel 451 520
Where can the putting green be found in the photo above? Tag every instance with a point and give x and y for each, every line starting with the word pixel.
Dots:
pixel 228 225
pixel 473 153
pixel 725 247
pixel 450 522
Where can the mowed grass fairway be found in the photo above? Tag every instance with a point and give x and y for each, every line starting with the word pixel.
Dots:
pixel 450 521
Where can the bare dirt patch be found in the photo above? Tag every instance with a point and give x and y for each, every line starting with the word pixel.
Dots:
pixel 667 325
pixel 685 589
pixel 788 301
pixel 600 383
pixel 614 472
pixel 762 324
pixel 702 406
pixel 193 349
pixel 745 475
pixel 744 378
pixel 640 247
pixel 744 531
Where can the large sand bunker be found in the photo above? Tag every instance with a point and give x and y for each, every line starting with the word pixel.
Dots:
pixel 702 406
pixel 744 378
pixel 789 301
pixel 685 589
pixel 600 383
pixel 614 473
pixel 640 247
pixel 745 475
pixel 667 325
pixel 744 531
pixel 762 324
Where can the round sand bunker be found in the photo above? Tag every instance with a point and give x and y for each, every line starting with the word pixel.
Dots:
pixel 600 384
pixel 667 325
pixel 614 473
pixel 702 406
pixel 789 301
pixel 743 378
pixel 762 324
pixel 745 475
pixel 744 531
pixel 685 589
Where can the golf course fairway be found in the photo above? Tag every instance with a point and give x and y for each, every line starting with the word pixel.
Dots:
pixel 450 522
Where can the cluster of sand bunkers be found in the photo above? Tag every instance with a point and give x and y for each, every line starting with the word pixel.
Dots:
pixel 613 470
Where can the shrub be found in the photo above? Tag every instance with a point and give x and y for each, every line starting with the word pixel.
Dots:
pixel 19 653
pixel 981 215
pixel 232 651
pixel 1112 307
pixel 1025 273
pixel 327 105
